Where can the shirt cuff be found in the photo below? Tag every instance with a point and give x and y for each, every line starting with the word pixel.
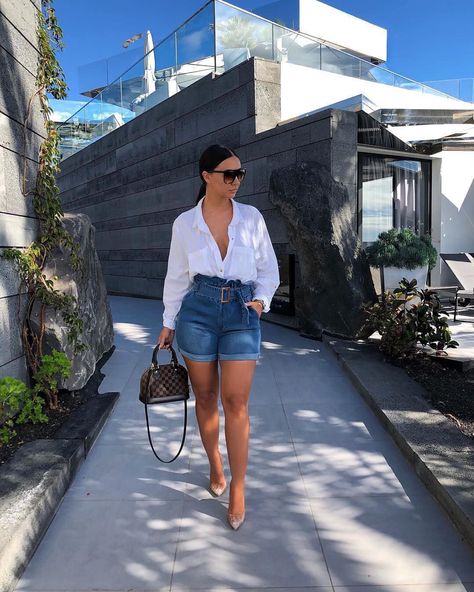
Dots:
pixel 169 324
pixel 266 307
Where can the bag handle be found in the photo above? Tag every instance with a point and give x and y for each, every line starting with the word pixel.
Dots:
pixel 154 358
pixel 155 362
pixel 182 440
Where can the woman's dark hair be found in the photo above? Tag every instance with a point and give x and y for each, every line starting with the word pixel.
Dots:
pixel 211 157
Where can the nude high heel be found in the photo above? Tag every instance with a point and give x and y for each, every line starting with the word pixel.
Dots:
pixel 235 520
pixel 218 490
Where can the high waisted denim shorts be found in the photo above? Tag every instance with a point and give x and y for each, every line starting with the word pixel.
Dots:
pixel 214 323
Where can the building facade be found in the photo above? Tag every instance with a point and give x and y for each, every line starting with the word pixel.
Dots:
pixel 278 96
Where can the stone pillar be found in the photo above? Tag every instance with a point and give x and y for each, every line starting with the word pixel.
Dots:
pixel 335 276
pixel 267 96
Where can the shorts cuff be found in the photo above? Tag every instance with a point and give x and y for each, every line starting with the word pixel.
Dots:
pixel 239 356
pixel 199 357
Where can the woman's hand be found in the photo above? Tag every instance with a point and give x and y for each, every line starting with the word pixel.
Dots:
pixel 166 337
pixel 257 305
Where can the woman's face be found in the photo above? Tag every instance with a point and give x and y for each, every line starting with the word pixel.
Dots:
pixel 215 181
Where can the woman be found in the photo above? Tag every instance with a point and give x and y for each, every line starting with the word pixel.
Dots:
pixel 222 274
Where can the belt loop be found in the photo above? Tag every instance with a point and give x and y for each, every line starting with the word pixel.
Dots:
pixel 244 308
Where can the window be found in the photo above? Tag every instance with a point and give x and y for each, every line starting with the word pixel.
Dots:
pixel 284 298
pixel 393 192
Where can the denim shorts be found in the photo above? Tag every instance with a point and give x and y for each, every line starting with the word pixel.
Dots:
pixel 214 323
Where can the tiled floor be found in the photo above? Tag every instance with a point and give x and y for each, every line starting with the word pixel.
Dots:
pixel 332 505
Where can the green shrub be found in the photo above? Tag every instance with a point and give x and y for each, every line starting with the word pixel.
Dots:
pixel 402 327
pixel 53 366
pixel 402 248
pixel 20 404
pixel 17 399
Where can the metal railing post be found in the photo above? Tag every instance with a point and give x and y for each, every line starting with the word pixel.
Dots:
pixel 273 42
pixel 215 36
pixel 176 52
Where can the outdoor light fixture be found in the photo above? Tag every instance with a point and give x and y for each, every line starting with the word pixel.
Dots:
pixel 132 39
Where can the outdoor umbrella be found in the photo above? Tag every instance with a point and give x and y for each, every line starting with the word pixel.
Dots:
pixel 149 63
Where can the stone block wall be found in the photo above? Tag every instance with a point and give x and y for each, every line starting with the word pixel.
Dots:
pixel 136 180
pixel 18 224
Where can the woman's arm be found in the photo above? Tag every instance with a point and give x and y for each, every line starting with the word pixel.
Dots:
pixel 177 281
pixel 268 275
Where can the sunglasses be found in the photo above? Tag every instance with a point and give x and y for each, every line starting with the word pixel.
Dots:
pixel 231 174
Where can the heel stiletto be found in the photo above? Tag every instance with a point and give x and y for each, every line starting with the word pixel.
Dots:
pixel 218 490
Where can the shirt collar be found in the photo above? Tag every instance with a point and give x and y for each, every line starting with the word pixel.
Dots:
pixel 200 223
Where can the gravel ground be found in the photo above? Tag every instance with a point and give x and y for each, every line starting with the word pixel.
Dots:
pixel 449 390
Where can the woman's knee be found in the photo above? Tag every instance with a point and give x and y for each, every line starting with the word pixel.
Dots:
pixel 206 399
pixel 236 406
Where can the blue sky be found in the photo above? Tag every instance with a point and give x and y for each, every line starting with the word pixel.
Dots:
pixel 427 39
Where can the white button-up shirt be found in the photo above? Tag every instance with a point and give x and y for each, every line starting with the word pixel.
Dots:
pixel 250 256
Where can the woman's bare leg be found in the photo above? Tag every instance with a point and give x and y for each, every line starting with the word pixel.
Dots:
pixel 236 383
pixel 204 377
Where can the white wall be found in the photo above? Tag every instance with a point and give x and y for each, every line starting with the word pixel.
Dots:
pixel 457 201
pixel 304 89
pixel 342 29
pixel 453 207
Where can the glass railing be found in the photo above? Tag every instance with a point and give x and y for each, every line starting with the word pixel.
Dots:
pixel 180 59
pixel 216 38
pixel 461 88
pixel 95 76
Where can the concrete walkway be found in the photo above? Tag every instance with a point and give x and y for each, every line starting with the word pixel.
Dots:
pixel 331 502
pixel 463 332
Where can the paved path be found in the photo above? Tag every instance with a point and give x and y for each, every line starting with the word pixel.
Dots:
pixel 463 332
pixel 332 505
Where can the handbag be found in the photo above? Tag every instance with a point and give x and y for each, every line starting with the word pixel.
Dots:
pixel 165 383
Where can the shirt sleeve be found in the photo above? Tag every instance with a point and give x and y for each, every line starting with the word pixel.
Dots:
pixel 177 281
pixel 268 275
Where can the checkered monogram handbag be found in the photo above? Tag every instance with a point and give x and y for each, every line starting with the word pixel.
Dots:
pixel 164 383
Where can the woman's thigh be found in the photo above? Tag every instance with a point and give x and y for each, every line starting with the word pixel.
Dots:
pixel 236 382
pixel 204 377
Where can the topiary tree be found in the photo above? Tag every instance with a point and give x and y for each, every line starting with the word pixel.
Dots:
pixel 403 249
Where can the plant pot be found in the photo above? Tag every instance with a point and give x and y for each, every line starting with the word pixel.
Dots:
pixel 393 276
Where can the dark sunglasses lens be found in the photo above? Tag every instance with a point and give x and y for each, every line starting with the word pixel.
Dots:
pixel 230 176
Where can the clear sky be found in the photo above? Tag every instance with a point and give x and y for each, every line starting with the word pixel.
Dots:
pixel 427 39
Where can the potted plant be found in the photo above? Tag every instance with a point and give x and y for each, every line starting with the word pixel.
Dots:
pixel 402 254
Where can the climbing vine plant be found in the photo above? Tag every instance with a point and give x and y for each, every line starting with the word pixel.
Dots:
pixel 35 286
